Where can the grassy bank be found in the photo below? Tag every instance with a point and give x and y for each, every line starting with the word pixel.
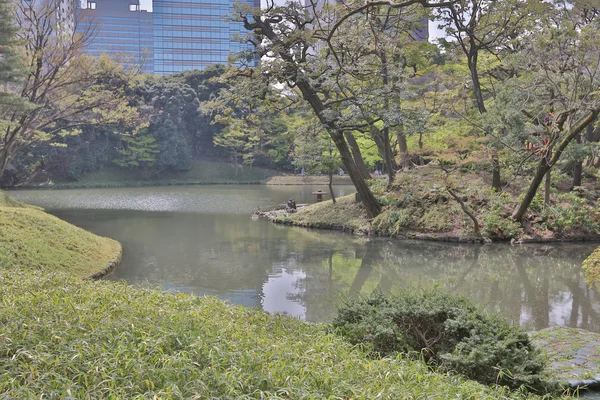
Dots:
pixel 61 337
pixel 32 240
pixel 418 205
pixel 201 173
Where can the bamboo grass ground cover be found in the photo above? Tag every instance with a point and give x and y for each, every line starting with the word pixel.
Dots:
pixel 61 337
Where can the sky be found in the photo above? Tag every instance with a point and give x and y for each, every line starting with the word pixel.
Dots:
pixel 434 32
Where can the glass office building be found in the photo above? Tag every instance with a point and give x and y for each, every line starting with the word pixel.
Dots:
pixel 193 34
pixel 118 27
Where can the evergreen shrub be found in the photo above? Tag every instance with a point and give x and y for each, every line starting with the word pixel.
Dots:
pixel 445 331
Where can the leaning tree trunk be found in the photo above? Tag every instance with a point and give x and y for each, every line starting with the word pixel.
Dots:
pixel 547 187
pixel 544 165
pixel 389 156
pixel 4 160
pixel 578 171
pixel 377 138
pixel 358 158
pixel 310 94
pixel 368 199
pixel 331 187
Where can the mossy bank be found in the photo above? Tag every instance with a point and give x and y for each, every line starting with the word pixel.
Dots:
pixel 32 240
pixel 419 206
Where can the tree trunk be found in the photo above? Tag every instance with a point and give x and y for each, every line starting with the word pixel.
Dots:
pixel 544 165
pixel 578 171
pixel 547 187
pixel 331 187
pixel 496 182
pixel 472 63
pixel 370 202
pixel 391 172
pixel 358 158
pixel 466 210
pixel 4 160
pixel 403 146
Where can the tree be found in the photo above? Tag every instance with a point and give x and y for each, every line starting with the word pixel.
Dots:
pixel 560 70
pixel 66 90
pixel 10 60
pixel 239 138
pixel 139 152
pixel 284 34
pixel 314 151
pixel 485 26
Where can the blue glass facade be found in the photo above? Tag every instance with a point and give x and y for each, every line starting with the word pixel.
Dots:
pixel 119 27
pixel 192 34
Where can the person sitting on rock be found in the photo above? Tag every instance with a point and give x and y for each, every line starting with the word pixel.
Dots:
pixel 291 204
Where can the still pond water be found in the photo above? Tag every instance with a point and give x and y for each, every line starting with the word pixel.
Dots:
pixel 201 239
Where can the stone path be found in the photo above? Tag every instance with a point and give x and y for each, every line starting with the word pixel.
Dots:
pixel 573 355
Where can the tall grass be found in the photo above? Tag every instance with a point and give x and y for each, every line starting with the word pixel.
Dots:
pixel 64 338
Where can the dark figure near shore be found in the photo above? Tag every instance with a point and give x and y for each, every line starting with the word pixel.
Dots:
pixel 291 204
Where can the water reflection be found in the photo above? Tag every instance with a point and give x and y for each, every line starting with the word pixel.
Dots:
pixel 211 246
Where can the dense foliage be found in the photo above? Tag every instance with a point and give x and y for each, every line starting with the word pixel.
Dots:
pixel 445 331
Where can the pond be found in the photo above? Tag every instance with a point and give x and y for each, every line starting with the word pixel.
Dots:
pixel 201 239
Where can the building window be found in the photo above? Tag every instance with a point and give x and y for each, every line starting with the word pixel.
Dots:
pixel 91 5
pixel 134 7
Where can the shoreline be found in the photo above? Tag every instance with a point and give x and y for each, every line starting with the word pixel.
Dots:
pixel 280 180
pixel 112 265
pixel 281 217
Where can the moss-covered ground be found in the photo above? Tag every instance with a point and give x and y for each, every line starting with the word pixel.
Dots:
pixel 419 205
pixel 32 240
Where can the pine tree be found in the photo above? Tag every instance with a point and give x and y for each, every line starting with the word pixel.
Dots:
pixel 10 62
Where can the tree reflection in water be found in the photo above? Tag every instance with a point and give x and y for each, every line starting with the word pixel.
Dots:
pixel 535 286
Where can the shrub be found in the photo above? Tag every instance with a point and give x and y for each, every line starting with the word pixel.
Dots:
pixel 591 267
pixel 571 213
pixel 446 331
pixel 497 222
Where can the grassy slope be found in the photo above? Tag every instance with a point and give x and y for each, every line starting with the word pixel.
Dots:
pixel 32 240
pixel 63 338
pixel 202 172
